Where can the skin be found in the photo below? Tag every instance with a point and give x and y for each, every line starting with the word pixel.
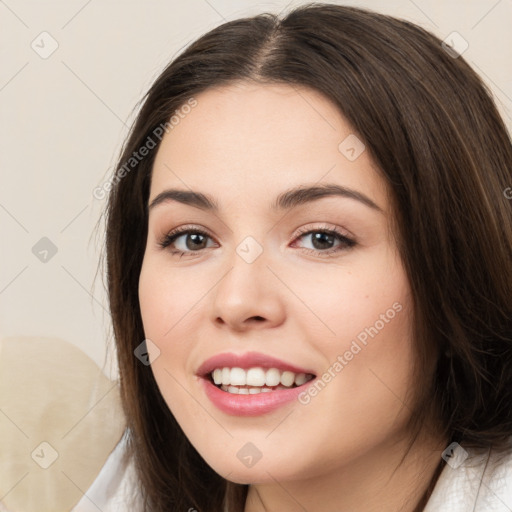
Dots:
pixel 244 144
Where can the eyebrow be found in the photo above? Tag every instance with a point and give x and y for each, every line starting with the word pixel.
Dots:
pixel 285 201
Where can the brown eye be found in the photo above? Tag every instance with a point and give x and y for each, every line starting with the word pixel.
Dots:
pixel 192 240
pixel 323 241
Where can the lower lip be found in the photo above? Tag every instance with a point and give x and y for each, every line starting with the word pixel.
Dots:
pixel 251 405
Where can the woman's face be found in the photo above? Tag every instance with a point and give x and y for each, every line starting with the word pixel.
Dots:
pixel 311 279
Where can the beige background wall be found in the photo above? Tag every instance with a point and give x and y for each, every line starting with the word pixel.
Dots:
pixel 64 117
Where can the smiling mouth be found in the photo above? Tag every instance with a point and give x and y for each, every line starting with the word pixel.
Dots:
pixel 256 380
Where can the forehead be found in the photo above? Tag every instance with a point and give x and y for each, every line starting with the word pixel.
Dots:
pixel 253 137
pixel 246 115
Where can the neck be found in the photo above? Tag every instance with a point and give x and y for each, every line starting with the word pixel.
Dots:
pixel 375 482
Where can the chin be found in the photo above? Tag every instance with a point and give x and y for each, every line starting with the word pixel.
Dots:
pixel 262 472
pixel 251 476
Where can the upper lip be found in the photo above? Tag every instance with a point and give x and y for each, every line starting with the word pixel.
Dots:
pixel 245 361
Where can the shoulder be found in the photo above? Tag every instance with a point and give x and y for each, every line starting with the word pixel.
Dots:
pixel 477 480
pixel 115 489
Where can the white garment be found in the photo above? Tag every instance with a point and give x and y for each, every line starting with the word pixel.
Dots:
pixel 115 488
pixel 481 483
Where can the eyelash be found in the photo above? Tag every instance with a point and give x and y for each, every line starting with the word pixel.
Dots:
pixel 345 242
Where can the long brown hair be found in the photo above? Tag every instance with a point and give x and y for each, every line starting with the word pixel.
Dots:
pixel 435 134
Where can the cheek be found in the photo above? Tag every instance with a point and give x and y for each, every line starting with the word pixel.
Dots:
pixel 165 297
pixel 366 299
pixel 170 304
pixel 368 349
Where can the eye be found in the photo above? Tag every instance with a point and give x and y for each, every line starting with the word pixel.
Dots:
pixel 324 240
pixel 193 240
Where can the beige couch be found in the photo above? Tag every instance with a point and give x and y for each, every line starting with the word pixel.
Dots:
pixel 60 418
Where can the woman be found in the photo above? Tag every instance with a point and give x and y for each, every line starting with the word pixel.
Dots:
pixel 309 251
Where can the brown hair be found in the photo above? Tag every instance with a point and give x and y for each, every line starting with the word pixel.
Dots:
pixel 435 134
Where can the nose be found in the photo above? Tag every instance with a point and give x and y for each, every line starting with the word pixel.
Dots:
pixel 249 295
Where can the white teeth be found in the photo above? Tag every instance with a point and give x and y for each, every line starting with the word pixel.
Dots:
pixel 258 379
pixel 238 377
pixel 272 377
pixel 217 376
pixel 287 378
pixel 235 390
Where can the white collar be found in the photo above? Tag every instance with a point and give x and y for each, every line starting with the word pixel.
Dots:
pixel 474 481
